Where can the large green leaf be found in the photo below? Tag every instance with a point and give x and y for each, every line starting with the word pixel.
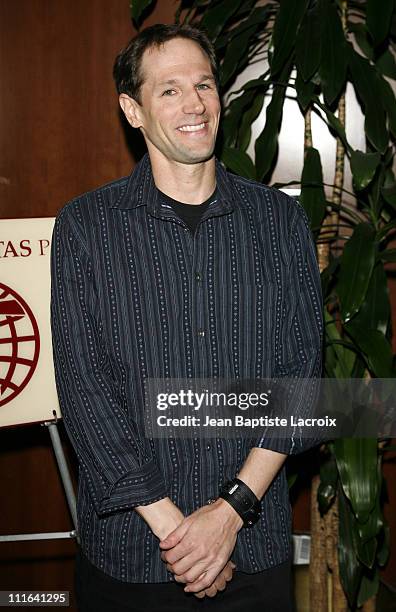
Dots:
pixel 138 7
pixel 237 56
pixel 214 19
pixel 383 538
pixel 374 312
pixel 313 197
pixel 305 91
pixel 356 266
pixel 386 64
pixel 393 26
pixel 375 198
pixel 388 161
pixel 235 60
pixel 333 56
pixel 234 114
pixel 257 16
pixel 389 103
pixel 388 255
pixel 367 550
pixel 267 143
pixel 378 19
pixel 383 549
pixel 366 82
pixel 385 229
pixel 363 166
pixel 245 130
pixel 255 83
pixel 361 36
pixel 350 567
pixel 370 532
pixel 357 460
pixel 334 123
pixel 239 162
pixel 286 25
pixel 340 359
pixel 389 194
pixel 368 587
pixel 308 44
pixel 375 347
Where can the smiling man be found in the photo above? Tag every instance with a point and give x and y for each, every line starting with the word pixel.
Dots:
pixel 180 271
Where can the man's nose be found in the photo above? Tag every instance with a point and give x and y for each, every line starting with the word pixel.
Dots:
pixel 193 103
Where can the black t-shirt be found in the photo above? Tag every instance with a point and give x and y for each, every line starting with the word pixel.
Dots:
pixel 191 214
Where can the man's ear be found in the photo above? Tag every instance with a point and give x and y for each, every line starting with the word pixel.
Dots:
pixel 131 110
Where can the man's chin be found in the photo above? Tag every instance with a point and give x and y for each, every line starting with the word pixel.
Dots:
pixel 195 157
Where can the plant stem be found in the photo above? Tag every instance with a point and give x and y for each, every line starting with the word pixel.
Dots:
pixel 318 598
pixel 340 157
pixel 307 129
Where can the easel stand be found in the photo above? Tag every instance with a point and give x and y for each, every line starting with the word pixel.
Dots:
pixel 69 492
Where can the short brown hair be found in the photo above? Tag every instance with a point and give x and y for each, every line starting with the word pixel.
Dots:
pixel 127 71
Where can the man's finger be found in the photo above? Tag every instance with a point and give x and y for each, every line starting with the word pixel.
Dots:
pixel 180 579
pixel 174 537
pixel 221 581
pixel 191 567
pixel 220 586
pixel 176 553
pixel 211 591
pixel 203 583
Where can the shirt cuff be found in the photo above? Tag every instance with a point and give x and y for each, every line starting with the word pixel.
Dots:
pixel 289 446
pixel 138 488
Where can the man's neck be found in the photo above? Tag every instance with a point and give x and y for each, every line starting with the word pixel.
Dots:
pixel 188 183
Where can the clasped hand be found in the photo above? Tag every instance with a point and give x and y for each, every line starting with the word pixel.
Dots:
pixel 199 549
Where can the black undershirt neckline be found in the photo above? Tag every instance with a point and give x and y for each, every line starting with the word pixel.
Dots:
pixel 191 214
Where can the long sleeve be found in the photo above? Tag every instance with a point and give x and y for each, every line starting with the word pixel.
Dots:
pixel 115 460
pixel 299 354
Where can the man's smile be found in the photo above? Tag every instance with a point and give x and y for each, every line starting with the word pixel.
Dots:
pixel 199 127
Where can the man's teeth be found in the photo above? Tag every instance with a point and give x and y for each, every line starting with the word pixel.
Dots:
pixel 191 128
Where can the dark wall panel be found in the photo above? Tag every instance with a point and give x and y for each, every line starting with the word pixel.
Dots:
pixel 60 128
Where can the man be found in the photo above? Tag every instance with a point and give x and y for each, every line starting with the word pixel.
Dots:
pixel 181 271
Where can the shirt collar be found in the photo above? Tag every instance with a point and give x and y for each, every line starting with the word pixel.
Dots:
pixel 142 191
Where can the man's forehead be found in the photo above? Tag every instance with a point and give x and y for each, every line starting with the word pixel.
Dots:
pixel 177 58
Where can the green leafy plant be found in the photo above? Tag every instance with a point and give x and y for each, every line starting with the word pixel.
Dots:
pixel 315 48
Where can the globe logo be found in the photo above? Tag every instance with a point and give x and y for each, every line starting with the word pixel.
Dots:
pixel 19 344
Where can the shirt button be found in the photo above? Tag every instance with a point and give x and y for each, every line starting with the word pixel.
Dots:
pixel 201 333
pixel 198 276
pixel 208 447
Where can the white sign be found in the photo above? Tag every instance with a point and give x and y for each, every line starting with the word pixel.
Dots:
pixel 27 382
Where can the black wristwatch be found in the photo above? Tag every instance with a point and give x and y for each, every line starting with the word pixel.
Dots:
pixel 243 500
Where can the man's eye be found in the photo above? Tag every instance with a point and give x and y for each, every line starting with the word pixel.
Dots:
pixel 203 86
pixel 168 92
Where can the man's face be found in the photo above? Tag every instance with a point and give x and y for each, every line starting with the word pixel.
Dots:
pixel 180 107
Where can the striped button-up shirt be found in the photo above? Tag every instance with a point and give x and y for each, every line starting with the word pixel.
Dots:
pixel 136 295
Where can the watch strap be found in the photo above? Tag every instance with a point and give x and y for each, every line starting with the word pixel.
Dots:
pixel 243 500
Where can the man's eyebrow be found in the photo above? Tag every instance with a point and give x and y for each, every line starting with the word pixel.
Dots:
pixel 206 77
pixel 203 77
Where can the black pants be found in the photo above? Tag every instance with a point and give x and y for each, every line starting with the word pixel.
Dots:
pixel 267 591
